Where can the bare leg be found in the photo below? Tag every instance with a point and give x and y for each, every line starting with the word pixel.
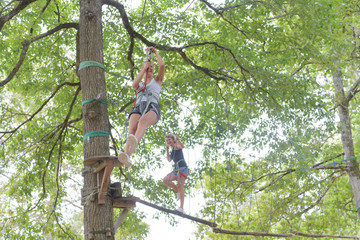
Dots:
pixel 180 188
pixel 133 125
pixel 147 120
pixel 168 181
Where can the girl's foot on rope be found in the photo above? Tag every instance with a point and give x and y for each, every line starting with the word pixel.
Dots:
pixel 132 143
pixel 124 159
pixel 180 210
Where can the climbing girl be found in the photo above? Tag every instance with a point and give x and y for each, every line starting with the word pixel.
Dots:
pixel 181 170
pixel 146 111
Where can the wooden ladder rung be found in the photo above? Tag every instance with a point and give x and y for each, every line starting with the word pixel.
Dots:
pixel 103 179
pixel 103 166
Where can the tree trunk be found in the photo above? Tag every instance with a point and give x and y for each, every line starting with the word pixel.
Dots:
pixel 98 218
pixel 346 135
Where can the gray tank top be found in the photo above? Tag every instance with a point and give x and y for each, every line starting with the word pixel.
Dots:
pixel 154 88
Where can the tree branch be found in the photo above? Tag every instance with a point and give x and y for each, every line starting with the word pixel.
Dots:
pixel 22 4
pixel 18 64
pixel 218 12
pixel 322 195
pixel 26 45
pixel 320 235
pixel 135 34
pixel 60 140
pixel 353 89
pixel 258 234
pixel 37 111
pixel 330 159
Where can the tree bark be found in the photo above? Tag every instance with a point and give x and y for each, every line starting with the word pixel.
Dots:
pixel 346 135
pixel 98 218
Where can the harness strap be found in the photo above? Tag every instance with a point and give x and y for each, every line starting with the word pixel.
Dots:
pixel 177 169
pixel 150 99
pixel 177 163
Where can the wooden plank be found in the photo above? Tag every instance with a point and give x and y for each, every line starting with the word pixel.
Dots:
pixel 124 203
pixel 105 182
pixel 99 177
pixel 100 165
pixel 211 224
pixel 131 199
pixel 94 159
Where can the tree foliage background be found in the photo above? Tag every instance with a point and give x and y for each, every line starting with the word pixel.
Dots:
pixel 239 75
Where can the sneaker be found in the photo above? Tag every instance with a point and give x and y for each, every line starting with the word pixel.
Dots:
pixel 180 210
pixel 124 159
pixel 177 196
pixel 132 142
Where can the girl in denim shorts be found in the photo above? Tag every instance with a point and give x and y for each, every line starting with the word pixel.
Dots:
pixel 181 170
pixel 146 110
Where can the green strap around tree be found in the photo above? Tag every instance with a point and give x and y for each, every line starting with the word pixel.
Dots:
pixel 96 134
pixel 103 101
pixel 97 64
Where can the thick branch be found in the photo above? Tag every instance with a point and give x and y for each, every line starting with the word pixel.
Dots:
pixel 22 4
pixel 27 43
pixel 18 64
pixel 320 235
pixel 54 30
pixel 135 34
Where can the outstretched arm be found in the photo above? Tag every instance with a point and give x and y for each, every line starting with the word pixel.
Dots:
pixel 138 78
pixel 179 144
pixel 168 154
pixel 160 77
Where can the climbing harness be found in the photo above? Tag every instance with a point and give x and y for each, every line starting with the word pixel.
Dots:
pixel 144 92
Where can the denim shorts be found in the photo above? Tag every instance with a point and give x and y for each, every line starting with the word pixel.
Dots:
pixel 152 107
pixel 184 171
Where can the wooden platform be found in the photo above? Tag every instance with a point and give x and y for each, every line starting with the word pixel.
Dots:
pixel 97 161
pixel 103 166
pixel 125 202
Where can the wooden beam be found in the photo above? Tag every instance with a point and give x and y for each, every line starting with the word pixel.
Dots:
pixel 211 224
pixel 100 165
pixel 105 182
pixel 121 218
pixel 126 202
